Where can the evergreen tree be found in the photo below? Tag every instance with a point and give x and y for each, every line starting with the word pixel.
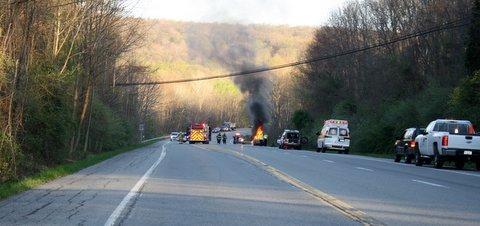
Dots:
pixel 473 50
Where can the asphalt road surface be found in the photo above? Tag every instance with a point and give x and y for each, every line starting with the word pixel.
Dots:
pixel 180 184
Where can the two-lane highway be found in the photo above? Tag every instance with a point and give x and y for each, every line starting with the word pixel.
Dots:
pixel 181 184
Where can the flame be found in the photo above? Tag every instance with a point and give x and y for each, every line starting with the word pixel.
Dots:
pixel 258 133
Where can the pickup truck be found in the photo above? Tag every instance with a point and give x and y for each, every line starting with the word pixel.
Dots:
pixel 448 140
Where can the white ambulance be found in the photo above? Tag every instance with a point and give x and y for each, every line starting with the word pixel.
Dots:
pixel 334 136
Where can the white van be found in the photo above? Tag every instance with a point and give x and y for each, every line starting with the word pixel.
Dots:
pixel 335 135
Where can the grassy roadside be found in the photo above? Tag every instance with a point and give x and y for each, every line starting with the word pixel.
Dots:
pixel 14 187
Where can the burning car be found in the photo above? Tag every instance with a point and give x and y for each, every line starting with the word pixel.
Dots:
pixel 259 138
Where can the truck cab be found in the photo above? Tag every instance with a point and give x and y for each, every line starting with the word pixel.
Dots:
pixel 335 135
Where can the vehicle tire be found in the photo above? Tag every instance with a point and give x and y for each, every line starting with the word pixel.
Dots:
pixel 459 164
pixel 340 152
pixel 437 159
pixel 397 158
pixel 319 149
pixel 408 159
pixel 477 165
pixel 298 148
pixel 418 158
pixel 347 151
pixel 281 146
pixel 324 150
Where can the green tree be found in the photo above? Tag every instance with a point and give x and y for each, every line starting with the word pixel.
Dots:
pixel 473 51
pixel 301 119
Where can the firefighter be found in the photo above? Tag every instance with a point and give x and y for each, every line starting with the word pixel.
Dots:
pixel 180 138
pixel 224 138
pixel 219 138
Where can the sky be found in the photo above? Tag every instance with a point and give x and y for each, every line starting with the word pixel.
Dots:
pixel 276 12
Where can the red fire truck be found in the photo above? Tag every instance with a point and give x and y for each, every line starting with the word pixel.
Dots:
pixel 199 133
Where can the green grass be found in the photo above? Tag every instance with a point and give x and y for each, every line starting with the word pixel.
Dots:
pixel 376 155
pixel 10 188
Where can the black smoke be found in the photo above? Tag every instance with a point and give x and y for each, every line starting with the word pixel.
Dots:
pixel 235 47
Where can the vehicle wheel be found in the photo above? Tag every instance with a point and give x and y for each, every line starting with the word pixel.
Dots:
pixel 477 165
pixel 459 164
pixel 397 158
pixel 281 146
pixel 324 150
pixel 340 152
pixel 347 151
pixel 319 149
pixel 418 158
pixel 437 159
pixel 408 159
pixel 298 148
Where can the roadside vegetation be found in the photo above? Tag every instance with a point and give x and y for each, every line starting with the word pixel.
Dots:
pixel 13 187
pixel 58 62
pixel 386 90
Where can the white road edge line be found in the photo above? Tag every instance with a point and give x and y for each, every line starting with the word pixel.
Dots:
pixel 330 161
pixel 428 183
pixel 134 191
pixel 365 169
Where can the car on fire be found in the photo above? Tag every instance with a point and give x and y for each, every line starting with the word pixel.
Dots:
pixel 334 135
pixel 405 145
pixel 259 138
pixel 290 139
pixel 448 140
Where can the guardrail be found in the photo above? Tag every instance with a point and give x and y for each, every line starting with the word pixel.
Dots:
pixel 157 138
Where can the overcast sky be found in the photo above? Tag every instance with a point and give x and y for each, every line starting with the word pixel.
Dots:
pixel 291 12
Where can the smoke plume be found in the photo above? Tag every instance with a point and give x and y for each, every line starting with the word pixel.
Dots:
pixel 235 47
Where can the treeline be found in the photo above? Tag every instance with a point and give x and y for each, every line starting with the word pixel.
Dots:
pixel 177 50
pixel 385 90
pixel 58 61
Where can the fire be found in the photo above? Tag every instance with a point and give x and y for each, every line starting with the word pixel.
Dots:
pixel 258 133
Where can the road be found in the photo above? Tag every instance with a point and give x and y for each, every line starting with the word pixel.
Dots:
pixel 180 184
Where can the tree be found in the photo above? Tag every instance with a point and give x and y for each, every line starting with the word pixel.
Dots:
pixel 301 119
pixel 473 49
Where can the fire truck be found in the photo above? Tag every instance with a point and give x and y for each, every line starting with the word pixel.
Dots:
pixel 199 133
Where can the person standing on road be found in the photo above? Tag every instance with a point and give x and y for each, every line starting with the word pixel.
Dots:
pixel 224 137
pixel 219 138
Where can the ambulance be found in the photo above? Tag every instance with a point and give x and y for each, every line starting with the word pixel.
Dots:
pixel 335 136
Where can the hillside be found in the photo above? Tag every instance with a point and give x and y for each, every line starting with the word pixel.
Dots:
pixel 175 50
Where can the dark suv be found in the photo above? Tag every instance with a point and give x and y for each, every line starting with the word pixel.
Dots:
pixel 290 139
pixel 405 145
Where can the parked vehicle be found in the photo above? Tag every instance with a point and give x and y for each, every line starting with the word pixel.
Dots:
pixel 230 125
pixel 238 138
pixel 216 130
pixel 290 139
pixel 335 135
pixel 173 136
pixel 448 140
pixel 199 133
pixel 405 145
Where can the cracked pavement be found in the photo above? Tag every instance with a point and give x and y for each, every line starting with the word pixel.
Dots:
pixel 84 198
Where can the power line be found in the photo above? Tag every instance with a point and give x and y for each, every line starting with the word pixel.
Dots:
pixel 445 26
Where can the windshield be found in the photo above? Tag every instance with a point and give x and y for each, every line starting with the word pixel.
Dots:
pixel 455 128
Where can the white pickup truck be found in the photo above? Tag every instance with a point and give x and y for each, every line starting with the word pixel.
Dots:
pixel 448 140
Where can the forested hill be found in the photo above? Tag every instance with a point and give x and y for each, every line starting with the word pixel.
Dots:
pixel 175 50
